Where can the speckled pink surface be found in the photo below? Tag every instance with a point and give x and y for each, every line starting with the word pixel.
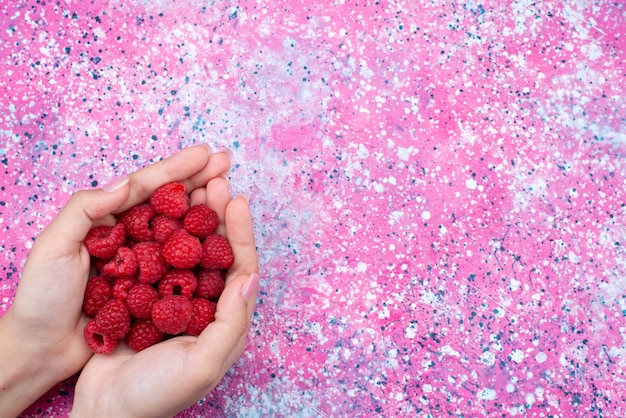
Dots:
pixel 437 186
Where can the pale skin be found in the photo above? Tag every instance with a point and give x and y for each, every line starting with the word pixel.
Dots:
pixel 41 335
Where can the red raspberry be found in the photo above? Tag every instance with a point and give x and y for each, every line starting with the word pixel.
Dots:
pixel 140 300
pixel 151 263
pixel 178 282
pixel 122 286
pixel 137 221
pixel 216 253
pixel 124 264
pixel 163 227
pixel 113 319
pixel 99 342
pixel 182 250
pixel 172 314
pixel 99 264
pixel 97 294
pixel 203 313
pixel 171 199
pixel 143 334
pixel 201 221
pixel 210 284
pixel 103 241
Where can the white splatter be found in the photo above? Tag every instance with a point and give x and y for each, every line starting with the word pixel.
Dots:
pixel 405 153
pixel 487 394
pixel 517 356
pixel 541 357
pixel 411 331
pixel 488 358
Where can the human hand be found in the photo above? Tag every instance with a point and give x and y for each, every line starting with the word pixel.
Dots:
pixel 42 332
pixel 171 375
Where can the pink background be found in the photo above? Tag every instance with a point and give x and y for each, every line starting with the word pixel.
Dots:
pixel 437 186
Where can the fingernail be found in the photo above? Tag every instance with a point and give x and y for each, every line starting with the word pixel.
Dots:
pixel 250 287
pixel 244 196
pixel 116 184
pixel 228 152
pixel 208 147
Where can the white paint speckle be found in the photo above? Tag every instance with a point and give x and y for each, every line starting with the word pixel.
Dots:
pixel 517 356
pixel 471 184
pixel 593 51
pixel 488 358
pixel 405 153
pixel 447 350
pixel 487 394
pixel 398 396
pixel 410 331
pixel 362 152
pixel 426 215
pixel 395 216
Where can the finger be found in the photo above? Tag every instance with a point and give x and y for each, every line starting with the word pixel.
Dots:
pixel 217 198
pixel 218 166
pixel 73 222
pixel 197 196
pixel 181 166
pixel 240 234
pixel 224 339
pixel 249 292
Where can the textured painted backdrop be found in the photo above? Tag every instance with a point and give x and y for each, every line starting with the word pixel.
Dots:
pixel 437 186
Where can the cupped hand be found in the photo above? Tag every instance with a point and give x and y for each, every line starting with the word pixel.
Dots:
pixel 169 376
pixel 42 332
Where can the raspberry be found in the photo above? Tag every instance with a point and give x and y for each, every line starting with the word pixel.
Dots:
pixel 151 263
pixel 140 300
pixel 163 227
pixel 137 221
pixel 200 221
pixel 160 271
pixel 172 314
pixel 99 264
pixel 171 199
pixel 99 342
pixel 203 313
pixel 124 264
pixel 113 319
pixel 210 284
pixel 103 241
pixel 143 334
pixel 178 282
pixel 122 286
pixel 216 253
pixel 182 250
pixel 97 293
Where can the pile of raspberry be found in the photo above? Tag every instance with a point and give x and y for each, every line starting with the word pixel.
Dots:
pixel 159 272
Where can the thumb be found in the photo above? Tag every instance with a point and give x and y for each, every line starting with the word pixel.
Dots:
pixel 223 341
pixel 71 225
